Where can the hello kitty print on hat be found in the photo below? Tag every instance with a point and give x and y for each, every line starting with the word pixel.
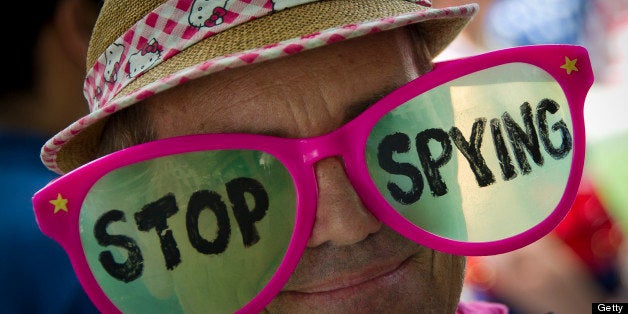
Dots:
pixel 145 58
pixel 180 23
pixel 177 24
pixel 206 13
pixel 113 54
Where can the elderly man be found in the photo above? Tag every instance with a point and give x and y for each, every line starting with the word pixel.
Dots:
pixel 271 176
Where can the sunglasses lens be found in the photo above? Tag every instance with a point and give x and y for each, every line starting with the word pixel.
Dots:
pixel 482 158
pixel 194 232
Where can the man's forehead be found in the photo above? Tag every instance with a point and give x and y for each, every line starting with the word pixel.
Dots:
pixel 279 97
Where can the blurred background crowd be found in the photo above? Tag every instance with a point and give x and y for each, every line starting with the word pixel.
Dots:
pixel 584 260
pixel 41 92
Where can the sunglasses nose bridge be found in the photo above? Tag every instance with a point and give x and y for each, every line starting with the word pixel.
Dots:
pixel 318 148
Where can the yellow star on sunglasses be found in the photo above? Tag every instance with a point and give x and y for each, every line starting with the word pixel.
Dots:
pixel 60 204
pixel 570 65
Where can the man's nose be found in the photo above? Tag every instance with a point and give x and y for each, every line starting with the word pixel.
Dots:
pixel 341 218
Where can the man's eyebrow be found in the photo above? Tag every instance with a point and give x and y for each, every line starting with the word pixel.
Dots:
pixel 357 107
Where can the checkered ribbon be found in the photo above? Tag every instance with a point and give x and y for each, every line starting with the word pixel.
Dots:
pixel 166 31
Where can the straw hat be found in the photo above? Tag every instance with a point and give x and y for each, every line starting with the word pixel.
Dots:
pixel 142 47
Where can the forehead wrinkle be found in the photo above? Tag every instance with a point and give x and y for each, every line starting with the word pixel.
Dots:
pixel 299 97
pixel 318 115
pixel 280 98
pixel 351 108
pixel 312 102
pixel 233 96
pixel 265 104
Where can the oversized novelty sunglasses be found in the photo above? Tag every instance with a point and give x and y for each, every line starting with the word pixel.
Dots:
pixel 480 156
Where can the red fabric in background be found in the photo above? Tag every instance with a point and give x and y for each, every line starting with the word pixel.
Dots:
pixel 589 231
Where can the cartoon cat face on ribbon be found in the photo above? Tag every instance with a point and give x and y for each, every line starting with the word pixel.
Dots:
pixel 145 58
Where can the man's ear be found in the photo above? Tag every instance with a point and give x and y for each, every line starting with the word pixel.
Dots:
pixel 73 21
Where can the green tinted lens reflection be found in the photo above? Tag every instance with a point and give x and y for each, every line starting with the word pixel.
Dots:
pixel 482 158
pixel 197 232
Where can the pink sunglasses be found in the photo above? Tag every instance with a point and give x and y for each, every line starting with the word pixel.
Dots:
pixel 482 155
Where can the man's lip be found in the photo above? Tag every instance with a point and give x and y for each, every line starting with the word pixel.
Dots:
pixel 350 280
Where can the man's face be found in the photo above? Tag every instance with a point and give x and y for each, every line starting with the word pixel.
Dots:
pixel 352 262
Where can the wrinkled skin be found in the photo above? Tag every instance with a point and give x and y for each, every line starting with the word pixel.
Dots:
pixel 353 263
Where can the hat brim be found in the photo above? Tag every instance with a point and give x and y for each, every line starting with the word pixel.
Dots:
pixel 311 25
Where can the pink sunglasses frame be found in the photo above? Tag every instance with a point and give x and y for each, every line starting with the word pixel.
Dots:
pixel 299 156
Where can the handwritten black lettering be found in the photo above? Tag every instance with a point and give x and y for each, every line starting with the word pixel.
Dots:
pixel 430 165
pixel 505 162
pixel 399 143
pixel 246 218
pixel 155 216
pixel 545 106
pixel 523 140
pixel 211 200
pixel 132 268
pixel 471 151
